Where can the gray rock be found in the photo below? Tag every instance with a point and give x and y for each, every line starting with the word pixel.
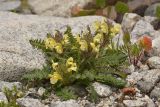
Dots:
pixel 139 30
pixel 112 14
pixel 9 85
pixel 134 103
pixel 152 20
pixel 150 103
pixel 69 103
pixel 155 93
pixel 7 5
pixel 17 56
pixel 152 76
pixel 130 69
pixel 156 45
pixel 102 89
pixel 55 7
pixel 129 20
pixel 154 62
pixel 149 80
pixel 3 97
pixel 146 99
pixel 145 86
pixel 144 67
pixel 135 4
pixel 29 102
pixel 135 77
pixel 41 91
pixel 151 10
pixel 158 84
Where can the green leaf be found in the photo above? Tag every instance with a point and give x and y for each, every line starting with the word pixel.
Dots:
pixel 121 7
pixel 39 44
pixel 37 74
pixel 112 58
pixel 126 38
pixel 158 12
pixel 101 3
pixel 110 80
pixel 66 93
pixel 93 96
pixel 85 12
pixel 135 50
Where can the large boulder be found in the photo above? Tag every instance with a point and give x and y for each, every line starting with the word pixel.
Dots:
pixel 55 7
pixel 17 56
pixel 7 5
pixel 151 10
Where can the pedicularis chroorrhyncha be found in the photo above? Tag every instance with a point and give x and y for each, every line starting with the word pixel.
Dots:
pixel 84 58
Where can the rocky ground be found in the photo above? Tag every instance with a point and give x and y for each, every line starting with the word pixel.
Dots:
pixel 18 57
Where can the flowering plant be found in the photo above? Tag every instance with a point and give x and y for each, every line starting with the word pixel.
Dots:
pixel 136 51
pixel 82 58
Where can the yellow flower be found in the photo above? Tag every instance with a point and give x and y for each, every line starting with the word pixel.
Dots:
pixel 65 39
pixel 98 38
pixel 78 38
pixel 71 66
pixel 69 61
pixel 96 25
pixel 95 47
pixel 83 45
pixel 54 65
pixel 115 29
pixel 104 27
pixel 50 43
pixel 55 77
pixel 101 26
pixel 59 48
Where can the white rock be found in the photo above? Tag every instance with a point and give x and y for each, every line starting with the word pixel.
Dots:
pixel 151 10
pixel 129 20
pixel 7 5
pixel 134 103
pixel 55 7
pixel 141 28
pixel 135 4
pixel 155 93
pixel 156 45
pixel 41 91
pixel 102 90
pixel 152 20
pixel 29 102
pixel 69 103
pixel 3 97
pixel 135 77
pixel 16 54
pixel 149 80
pixel 9 85
pixel 154 62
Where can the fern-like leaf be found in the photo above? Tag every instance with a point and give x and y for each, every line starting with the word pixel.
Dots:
pixel 39 44
pixel 66 93
pixel 37 74
pixel 110 80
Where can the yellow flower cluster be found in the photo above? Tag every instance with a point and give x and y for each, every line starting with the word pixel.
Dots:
pixel 83 45
pixel 71 66
pixel 101 26
pixel 65 39
pixel 97 40
pixel 55 77
pixel 115 29
pixel 51 44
